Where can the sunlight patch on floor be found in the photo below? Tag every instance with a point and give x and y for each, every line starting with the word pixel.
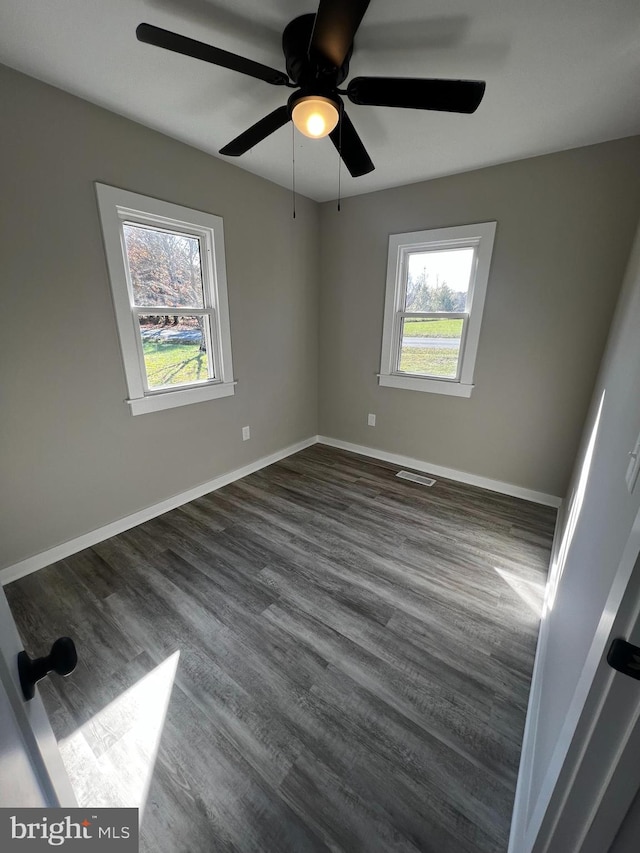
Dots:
pixel 110 759
pixel 530 592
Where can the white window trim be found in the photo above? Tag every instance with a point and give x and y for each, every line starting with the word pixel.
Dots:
pixel 117 206
pixel 480 237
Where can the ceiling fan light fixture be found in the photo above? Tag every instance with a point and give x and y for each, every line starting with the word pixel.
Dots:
pixel 317 50
pixel 315 116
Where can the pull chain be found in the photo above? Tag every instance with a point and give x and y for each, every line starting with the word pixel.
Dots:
pixel 293 167
pixel 339 156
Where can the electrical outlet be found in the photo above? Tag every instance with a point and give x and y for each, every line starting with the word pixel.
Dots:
pixel 246 433
pixel 371 420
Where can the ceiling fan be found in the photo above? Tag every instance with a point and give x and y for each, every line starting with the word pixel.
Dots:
pixel 317 49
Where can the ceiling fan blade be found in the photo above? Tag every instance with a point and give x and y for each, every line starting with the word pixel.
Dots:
pixel 259 131
pixel 149 34
pixel 453 96
pixel 335 26
pixel 349 145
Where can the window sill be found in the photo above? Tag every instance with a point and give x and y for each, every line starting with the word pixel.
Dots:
pixel 181 397
pixel 432 386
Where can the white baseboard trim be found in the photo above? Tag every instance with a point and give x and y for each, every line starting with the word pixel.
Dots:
pixel 87 540
pixel 66 549
pixel 448 473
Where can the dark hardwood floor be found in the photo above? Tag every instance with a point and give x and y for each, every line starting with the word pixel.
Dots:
pixel 317 657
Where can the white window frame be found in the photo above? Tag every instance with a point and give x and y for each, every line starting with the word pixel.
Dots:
pixel 117 207
pixel 480 237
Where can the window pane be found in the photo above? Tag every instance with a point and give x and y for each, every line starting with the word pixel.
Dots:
pixel 431 347
pixel 438 280
pixel 175 350
pixel 164 266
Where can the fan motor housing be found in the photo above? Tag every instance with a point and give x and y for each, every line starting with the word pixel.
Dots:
pixel 303 69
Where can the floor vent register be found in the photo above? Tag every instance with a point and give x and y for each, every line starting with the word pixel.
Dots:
pixel 415 478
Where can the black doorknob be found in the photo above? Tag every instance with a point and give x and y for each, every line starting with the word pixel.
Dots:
pixel 62 659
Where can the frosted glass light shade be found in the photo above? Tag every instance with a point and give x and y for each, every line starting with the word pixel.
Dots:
pixel 315 116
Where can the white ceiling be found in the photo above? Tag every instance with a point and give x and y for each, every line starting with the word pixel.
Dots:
pixel 560 74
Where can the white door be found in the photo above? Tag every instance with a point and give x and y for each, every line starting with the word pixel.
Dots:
pixel 614 748
pixel 602 767
pixel 31 769
pixel 627 838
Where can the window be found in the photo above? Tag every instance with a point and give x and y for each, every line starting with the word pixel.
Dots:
pixel 436 284
pixel 168 281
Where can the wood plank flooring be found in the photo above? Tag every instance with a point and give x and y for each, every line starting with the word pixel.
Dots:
pixel 319 657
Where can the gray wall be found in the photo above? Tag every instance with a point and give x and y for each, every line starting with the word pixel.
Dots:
pixel 72 458
pixel 565 226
